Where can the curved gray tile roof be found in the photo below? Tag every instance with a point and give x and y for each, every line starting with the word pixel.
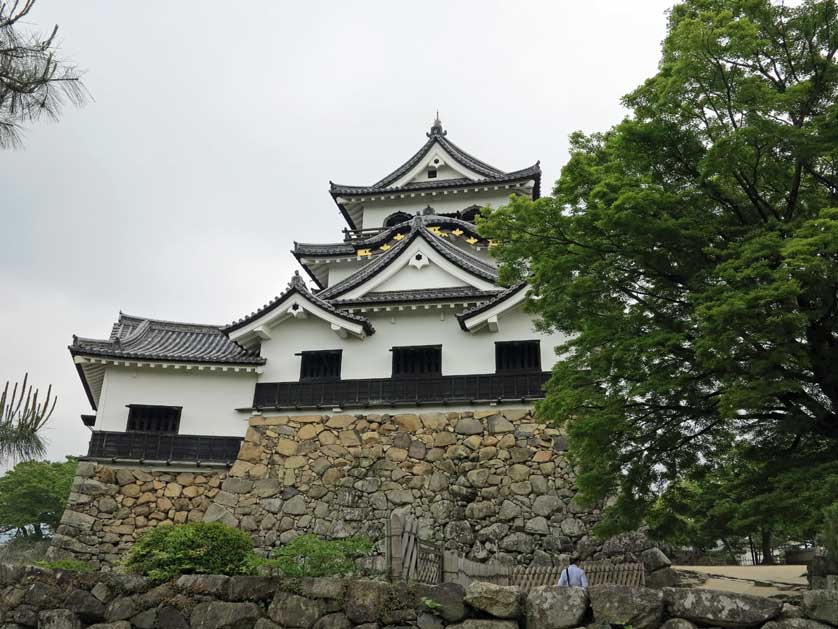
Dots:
pixel 154 339
pixel 298 286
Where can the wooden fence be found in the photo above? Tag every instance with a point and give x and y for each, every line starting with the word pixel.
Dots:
pixel 411 559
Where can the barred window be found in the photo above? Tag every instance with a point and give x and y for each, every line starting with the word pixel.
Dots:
pixel 150 418
pixel 511 356
pixel 420 360
pixel 320 365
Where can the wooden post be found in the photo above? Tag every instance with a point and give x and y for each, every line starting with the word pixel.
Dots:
pixel 395 547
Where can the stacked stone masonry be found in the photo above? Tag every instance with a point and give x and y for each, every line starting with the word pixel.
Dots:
pixel 46 599
pixel 108 509
pixel 490 484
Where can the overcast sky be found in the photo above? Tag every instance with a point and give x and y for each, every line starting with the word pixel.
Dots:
pixel 215 130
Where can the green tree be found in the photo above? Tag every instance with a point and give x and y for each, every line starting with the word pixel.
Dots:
pixel 691 255
pixel 33 81
pixel 33 496
pixel 22 417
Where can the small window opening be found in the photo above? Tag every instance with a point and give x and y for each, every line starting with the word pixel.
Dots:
pixel 149 418
pixel 418 257
pixel 517 356
pixel 431 172
pixel 320 365
pixel 417 361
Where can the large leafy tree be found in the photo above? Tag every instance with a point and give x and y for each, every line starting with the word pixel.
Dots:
pixel 691 255
pixel 33 496
pixel 34 81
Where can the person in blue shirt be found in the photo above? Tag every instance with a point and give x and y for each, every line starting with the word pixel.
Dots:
pixel 573 575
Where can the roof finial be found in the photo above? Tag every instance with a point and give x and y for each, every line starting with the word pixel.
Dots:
pixel 436 127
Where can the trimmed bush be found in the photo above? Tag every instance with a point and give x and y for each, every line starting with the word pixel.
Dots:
pixel 310 556
pixel 199 548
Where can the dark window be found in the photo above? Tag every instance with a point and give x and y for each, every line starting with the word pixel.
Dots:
pixel 422 360
pixel 396 218
pixel 323 365
pixel 147 418
pixel 517 356
pixel 431 172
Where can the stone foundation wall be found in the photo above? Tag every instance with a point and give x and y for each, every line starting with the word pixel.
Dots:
pixel 47 599
pixel 110 508
pixel 490 484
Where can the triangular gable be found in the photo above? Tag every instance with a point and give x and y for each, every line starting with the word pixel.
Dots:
pixel 296 303
pixel 447 167
pixel 419 250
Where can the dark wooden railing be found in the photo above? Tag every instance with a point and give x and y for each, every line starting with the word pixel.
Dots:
pixel 401 391
pixel 163 447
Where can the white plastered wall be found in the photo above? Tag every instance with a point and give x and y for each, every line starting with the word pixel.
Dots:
pixel 209 399
pixel 443 203
pixel 462 352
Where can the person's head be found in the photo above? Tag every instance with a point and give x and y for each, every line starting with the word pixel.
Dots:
pixel 574 558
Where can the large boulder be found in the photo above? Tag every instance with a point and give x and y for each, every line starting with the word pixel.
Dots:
pixel 500 601
pixel 448 600
pixel 821 605
pixel 679 623
pixel 642 608
pixel 654 559
pixel 722 609
pixel 294 611
pixel 58 619
pixel 550 607
pixel 366 600
pixel 795 623
pixel 479 623
pixel 218 615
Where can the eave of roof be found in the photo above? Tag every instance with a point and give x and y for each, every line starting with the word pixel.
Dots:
pixel 531 173
pixel 298 287
pixel 470 313
pixel 455 293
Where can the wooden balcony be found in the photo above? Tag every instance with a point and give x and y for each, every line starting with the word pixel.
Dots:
pixel 160 447
pixel 433 390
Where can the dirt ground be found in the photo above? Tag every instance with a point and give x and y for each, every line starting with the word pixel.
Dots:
pixel 759 580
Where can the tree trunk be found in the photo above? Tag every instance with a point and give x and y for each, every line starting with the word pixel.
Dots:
pixel 767 555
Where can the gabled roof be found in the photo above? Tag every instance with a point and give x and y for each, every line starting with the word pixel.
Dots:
pixel 437 136
pixel 297 287
pixel 508 295
pixel 154 339
pixel 450 252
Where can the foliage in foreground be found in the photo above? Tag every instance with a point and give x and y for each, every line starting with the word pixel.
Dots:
pixel 33 496
pixel 310 556
pixel 691 254
pixel 22 417
pixel 830 530
pixel 34 81
pixel 166 552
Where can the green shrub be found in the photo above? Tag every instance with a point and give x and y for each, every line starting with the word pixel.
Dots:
pixel 310 556
pixel 830 530
pixel 72 565
pixel 200 548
